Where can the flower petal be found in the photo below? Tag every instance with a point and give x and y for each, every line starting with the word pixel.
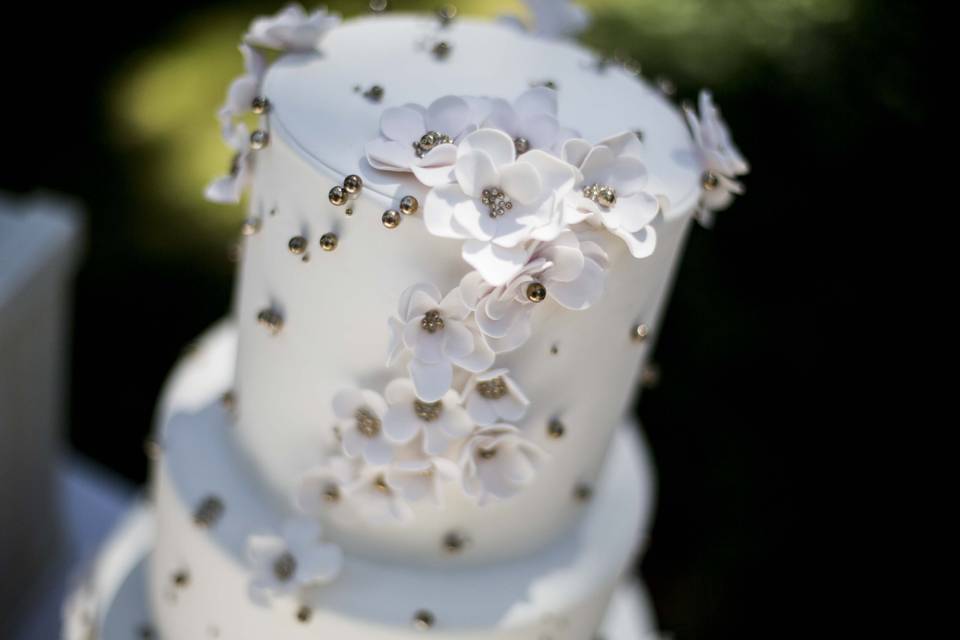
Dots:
pixel 436 167
pixel 521 182
pixel 475 171
pixel 439 208
pixel 431 380
pixel 377 451
pixel 457 340
pixel 637 211
pixel 537 100
pixel 495 263
pixel 389 155
pixel 346 403
pixel 403 124
pixel 640 244
pixel 400 423
pixel 496 144
pixel 449 115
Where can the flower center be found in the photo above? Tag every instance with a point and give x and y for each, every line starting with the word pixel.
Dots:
pixel 710 181
pixel 331 493
pixel 429 141
pixel 601 194
pixel 521 144
pixel 486 454
pixel 367 423
pixel 428 411
pixel 492 389
pixel 432 321
pixel 380 484
pixel 496 201
pixel 284 566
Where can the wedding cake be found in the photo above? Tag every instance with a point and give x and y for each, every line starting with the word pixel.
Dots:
pixel 460 239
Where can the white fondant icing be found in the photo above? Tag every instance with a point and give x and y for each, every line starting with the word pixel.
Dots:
pixel 560 590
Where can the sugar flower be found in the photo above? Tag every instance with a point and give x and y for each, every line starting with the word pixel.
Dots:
pixel 229 188
pixel 373 497
pixel 721 160
pixel 530 120
pixel 296 559
pixel 498 201
pixel 291 29
pixel 440 423
pixel 244 89
pixel 498 462
pixel 436 333
pixel 567 270
pixel 423 140
pixel 360 424
pixel 493 396
pixel 553 18
pixel 323 487
pixel 613 191
pixel 421 478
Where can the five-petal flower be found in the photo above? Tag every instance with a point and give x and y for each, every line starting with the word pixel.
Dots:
pixel 441 422
pixel 360 424
pixel 291 29
pixel 244 89
pixel 613 191
pixel 493 396
pixel 498 462
pixel 530 120
pixel 296 559
pixel 437 334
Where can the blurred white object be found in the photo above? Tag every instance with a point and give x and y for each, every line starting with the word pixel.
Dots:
pixel 40 244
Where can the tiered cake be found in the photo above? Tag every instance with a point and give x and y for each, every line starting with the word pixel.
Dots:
pixel 460 239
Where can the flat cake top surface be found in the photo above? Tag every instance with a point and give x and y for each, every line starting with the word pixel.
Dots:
pixel 322 105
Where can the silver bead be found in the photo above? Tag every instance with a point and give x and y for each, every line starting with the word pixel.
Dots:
pixel 640 332
pixel 352 184
pixel 329 241
pixel 423 620
pixel 441 50
pixel 536 292
pixel 250 226
pixel 304 613
pixel 208 512
pixel 521 144
pixel 297 245
pixel 374 93
pixel 409 205
pixel 271 320
pixel 391 219
pixel 259 139
pixel 454 542
pixel 582 492
pixel 338 196
pixel 555 428
pixel 260 105
pixel 710 181
pixel 606 197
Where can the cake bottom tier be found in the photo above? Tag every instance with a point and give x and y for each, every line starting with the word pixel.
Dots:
pixel 197 578
pixel 113 603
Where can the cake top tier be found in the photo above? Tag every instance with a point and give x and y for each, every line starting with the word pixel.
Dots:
pixel 330 104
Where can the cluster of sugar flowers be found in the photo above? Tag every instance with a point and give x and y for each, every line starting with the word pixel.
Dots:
pixel 397 449
pixel 292 29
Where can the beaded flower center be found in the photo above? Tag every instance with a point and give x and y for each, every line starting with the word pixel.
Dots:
pixel 432 321
pixel 429 141
pixel 428 411
pixel 367 423
pixel 496 201
pixel 380 484
pixel 601 194
pixel 284 566
pixel 487 453
pixel 493 389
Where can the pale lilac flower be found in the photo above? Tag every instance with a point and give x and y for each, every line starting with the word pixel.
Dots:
pixel 436 333
pixel 493 396
pixel 497 462
pixel 296 559
pixel 360 425
pixel 530 120
pixel 440 423
pixel 291 29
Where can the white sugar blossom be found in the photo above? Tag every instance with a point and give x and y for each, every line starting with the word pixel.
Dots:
pixel 498 202
pixel 375 499
pixel 571 271
pixel 440 423
pixel 421 478
pixel 438 336
pixel 423 140
pixel 530 120
pixel 244 89
pixel 323 487
pixel 229 188
pixel 498 462
pixel 493 396
pixel 296 559
pixel 291 29
pixel 721 161
pixel 553 18
pixel 613 191
pixel 360 424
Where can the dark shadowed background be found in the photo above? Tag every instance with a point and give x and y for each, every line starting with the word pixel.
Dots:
pixel 116 108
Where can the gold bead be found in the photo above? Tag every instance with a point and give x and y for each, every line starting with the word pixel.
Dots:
pixel 208 512
pixel 582 492
pixel 181 578
pixel 555 428
pixel 423 620
pixel 409 205
pixel 331 493
pixel 271 320
pixel 606 197
pixel 297 245
pixel 391 219
pixel 454 542
pixel 250 226
pixel 259 139
pixel 260 105
pixel 536 292
pixel 441 50
pixel 338 196
pixel 329 241
pixel 710 181
pixel 304 613
pixel 640 332
pixel 352 184
pixel 521 144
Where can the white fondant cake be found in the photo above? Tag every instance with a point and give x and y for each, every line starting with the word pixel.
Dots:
pixel 460 242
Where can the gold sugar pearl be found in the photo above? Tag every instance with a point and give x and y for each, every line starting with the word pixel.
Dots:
pixel 409 205
pixel 208 512
pixel 423 620
pixel 259 139
pixel 260 105
pixel 329 241
pixel 338 196
pixel 304 613
pixel 331 493
pixel 250 226
pixel 640 332
pixel 352 184
pixel 271 320
pixel 555 428
pixel 297 245
pixel 391 219
pixel 454 542
pixel 536 292
pixel 710 181
pixel 284 566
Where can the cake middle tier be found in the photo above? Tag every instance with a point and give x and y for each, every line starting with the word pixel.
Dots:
pixel 314 322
